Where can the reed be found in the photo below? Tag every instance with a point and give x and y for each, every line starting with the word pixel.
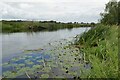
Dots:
pixel 100 46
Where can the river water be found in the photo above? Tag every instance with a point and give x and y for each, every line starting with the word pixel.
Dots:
pixel 13 44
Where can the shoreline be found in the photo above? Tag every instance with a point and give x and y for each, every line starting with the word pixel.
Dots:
pixel 35 26
pixel 100 49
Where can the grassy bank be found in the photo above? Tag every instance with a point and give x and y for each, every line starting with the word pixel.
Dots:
pixel 100 48
pixel 26 26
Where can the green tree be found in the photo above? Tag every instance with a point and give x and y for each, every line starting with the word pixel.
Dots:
pixel 110 16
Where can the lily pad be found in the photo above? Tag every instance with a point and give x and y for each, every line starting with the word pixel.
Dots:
pixel 9 74
pixel 36 67
pixel 46 69
pixel 15 59
pixel 44 76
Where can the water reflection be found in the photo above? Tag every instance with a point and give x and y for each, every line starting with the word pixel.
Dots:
pixel 15 42
pixel 53 54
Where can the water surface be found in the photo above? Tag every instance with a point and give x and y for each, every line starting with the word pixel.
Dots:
pixel 52 54
pixel 14 43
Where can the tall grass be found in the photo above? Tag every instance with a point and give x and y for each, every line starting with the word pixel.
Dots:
pixel 100 47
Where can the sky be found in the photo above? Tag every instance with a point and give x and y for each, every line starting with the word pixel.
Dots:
pixel 59 10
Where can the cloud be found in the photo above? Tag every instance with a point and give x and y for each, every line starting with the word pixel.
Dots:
pixel 9 12
pixel 24 5
pixel 85 1
pixel 60 10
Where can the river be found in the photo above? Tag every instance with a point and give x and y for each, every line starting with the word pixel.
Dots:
pixel 13 44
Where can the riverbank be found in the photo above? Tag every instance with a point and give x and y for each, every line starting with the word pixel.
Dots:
pixel 96 57
pixel 28 26
pixel 100 48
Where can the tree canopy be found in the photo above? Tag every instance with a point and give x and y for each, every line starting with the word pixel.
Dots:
pixel 111 13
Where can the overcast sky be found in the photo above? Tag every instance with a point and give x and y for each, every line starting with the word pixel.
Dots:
pixel 59 10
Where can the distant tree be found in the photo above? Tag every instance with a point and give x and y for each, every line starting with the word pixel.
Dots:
pixel 75 22
pixel 110 16
pixel 69 22
pixel 82 22
pixel 52 21
pixel 59 22
pixel 18 20
pixel 92 24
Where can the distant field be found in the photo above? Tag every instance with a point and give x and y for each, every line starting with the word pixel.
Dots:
pixel 26 26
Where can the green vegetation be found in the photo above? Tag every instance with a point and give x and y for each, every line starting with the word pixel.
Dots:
pixel 26 26
pixel 93 55
pixel 100 45
pixel 111 14
pixel 100 48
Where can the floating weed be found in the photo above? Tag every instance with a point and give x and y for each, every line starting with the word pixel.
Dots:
pixel 61 57
pixel 44 76
pixel 6 64
pixel 40 61
pixel 27 61
pixel 59 77
pixel 23 70
pixel 22 58
pixel 46 69
pixel 52 64
pixel 29 56
pixel 73 73
pixel 30 62
pixel 9 74
pixel 14 59
pixel 21 65
pixel 34 50
pixel 35 67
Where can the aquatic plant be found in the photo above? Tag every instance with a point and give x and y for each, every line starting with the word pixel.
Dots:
pixel 35 67
pixel 70 60
pixel 14 59
pixel 46 69
pixel 44 76
pixel 9 74
pixel 28 62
